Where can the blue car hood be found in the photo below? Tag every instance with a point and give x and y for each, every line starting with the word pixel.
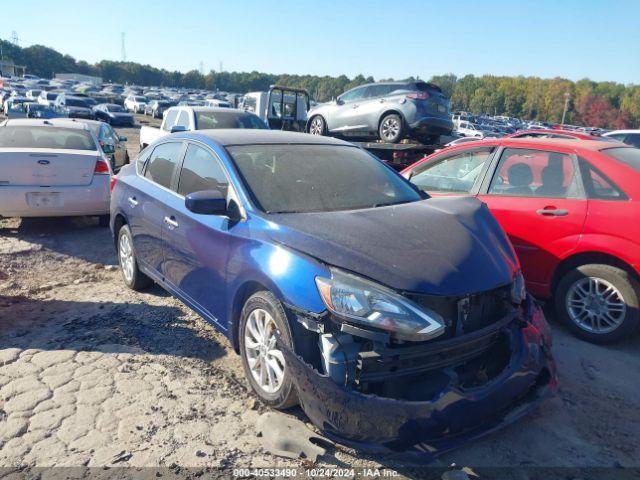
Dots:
pixel 438 246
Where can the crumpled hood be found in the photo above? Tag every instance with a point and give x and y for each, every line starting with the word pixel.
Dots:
pixel 438 246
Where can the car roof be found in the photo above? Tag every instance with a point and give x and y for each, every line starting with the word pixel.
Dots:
pixel 620 131
pixel 197 108
pixel 246 136
pixel 50 122
pixel 573 143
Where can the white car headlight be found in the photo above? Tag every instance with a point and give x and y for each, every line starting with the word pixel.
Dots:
pixel 518 289
pixel 366 303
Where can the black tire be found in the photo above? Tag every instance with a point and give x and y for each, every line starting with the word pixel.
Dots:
pixel 103 220
pixel 285 397
pixel 627 286
pixel 391 128
pixel 138 280
pixel 317 126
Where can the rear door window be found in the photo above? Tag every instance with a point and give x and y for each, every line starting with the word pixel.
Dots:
pixel 162 164
pixel 534 173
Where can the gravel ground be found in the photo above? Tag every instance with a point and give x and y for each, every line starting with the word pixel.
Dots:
pixel 94 374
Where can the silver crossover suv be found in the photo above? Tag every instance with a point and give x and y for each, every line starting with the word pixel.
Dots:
pixel 389 111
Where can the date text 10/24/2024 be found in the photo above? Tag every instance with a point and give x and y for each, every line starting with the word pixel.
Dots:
pixel 316 472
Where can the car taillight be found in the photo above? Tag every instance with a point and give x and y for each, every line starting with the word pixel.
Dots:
pixel 112 183
pixel 418 96
pixel 102 167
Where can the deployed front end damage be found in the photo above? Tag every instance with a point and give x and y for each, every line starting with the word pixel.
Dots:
pixel 424 398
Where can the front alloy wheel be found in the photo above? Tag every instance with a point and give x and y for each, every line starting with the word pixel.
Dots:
pixel 262 321
pixel 317 126
pixel 266 362
pixel 599 303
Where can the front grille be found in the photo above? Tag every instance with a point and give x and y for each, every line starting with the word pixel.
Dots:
pixel 467 313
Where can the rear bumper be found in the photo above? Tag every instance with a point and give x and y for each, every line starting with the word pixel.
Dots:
pixel 455 415
pixel 93 199
pixel 432 125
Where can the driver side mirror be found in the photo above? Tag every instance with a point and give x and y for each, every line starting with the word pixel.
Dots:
pixel 339 101
pixel 206 202
pixel 108 148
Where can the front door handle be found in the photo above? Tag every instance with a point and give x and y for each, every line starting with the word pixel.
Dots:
pixel 356 106
pixel 171 222
pixel 552 212
pixel 132 201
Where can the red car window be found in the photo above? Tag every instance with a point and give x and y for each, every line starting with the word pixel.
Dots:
pixel 533 173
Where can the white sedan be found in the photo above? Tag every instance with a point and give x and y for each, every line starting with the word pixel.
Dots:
pixel 52 168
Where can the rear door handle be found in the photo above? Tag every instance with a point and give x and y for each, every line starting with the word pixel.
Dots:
pixel 132 201
pixel 171 222
pixel 552 212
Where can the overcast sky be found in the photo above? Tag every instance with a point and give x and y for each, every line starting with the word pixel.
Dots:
pixel 569 38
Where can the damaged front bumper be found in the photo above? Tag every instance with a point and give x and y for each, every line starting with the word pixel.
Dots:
pixel 456 413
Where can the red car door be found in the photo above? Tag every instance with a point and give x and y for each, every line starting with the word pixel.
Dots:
pixel 537 197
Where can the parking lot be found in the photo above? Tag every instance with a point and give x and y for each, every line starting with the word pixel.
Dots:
pixel 92 373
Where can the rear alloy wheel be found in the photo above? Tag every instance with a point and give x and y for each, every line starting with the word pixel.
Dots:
pixel 599 303
pixel 262 320
pixel 391 128
pixel 317 126
pixel 132 276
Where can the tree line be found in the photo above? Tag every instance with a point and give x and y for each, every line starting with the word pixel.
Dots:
pixel 604 104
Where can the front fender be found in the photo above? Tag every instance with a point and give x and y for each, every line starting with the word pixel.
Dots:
pixel 288 274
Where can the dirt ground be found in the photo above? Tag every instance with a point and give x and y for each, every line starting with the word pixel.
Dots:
pixel 94 374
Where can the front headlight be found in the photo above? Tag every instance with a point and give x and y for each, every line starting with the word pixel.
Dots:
pixel 518 289
pixel 366 303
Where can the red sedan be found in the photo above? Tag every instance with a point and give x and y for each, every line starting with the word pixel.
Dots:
pixel 571 211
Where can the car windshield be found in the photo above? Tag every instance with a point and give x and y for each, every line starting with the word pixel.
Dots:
pixel 46 137
pixel 209 120
pixel 628 155
pixel 140 99
pixel 318 178
pixel 115 108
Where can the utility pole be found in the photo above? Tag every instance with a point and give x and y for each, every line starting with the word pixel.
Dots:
pixel 220 66
pixel 123 51
pixel 14 38
pixel 567 96
pixel 201 68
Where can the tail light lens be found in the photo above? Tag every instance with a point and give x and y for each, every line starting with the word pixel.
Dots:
pixel 112 183
pixel 418 96
pixel 102 167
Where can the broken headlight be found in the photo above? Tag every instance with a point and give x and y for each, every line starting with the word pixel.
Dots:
pixel 518 289
pixel 366 303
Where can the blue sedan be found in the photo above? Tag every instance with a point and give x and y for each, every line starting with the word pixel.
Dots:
pixel 396 320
